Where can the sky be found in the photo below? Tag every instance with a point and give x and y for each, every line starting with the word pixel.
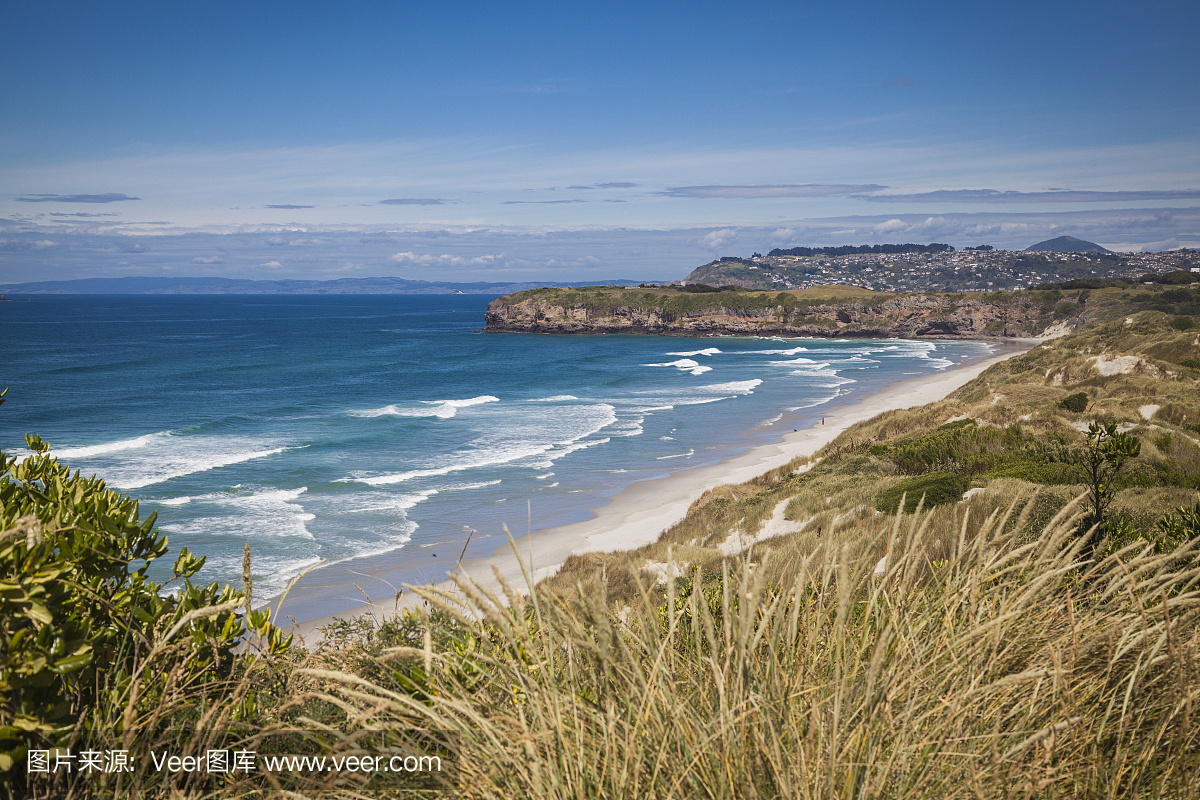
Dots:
pixel 561 142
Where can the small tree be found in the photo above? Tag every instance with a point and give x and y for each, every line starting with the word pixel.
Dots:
pixel 1108 451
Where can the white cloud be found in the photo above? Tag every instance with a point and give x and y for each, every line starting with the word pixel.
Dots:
pixel 444 260
pixel 585 261
pixel 718 239
pixel 272 265
pixel 208 260
pixel 891 226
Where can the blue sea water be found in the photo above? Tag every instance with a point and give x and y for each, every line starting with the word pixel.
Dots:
pixel 353 427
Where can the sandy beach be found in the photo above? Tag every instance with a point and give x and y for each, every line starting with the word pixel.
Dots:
pixel 640 513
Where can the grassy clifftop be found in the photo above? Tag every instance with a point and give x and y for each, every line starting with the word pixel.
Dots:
pixel 824 311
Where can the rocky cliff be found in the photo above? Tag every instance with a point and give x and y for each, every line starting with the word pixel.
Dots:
pixel 950 316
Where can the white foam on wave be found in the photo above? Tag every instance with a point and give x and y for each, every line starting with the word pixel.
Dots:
pixel 822 400
pixel 688 454
pixel 558 398
pixel 462 487
pixel 159 457
pixel 733 387
pixel 442 409
pixel 91 451
pixel 180 466
pixel 629 427
pixel 684 365
pixel 550 433
pixel 472 460
pixel 374 504
pixel 572 447
pixel 939 363
pixel 789 352
pixel 708 351
pixel 695 395
pixel 269 513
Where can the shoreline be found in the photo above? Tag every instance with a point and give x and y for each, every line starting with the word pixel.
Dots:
pixel 642 511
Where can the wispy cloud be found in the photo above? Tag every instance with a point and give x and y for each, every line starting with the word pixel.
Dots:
pixel 287 206
pixel 83 214
pixel 539 202
pixel 611 185
pixel 415 201
pixel 212 260
pixel 12 245
pixel 1052 196
pixel 110 197
pixel 773 190
pixel 899 83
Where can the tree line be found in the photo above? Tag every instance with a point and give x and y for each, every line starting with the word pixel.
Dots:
pixel 862 249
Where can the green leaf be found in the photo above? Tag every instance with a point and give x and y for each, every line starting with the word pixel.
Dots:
pixel 71 663
pixel 39 613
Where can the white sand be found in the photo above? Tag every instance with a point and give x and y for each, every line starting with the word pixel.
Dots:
pixel 640 513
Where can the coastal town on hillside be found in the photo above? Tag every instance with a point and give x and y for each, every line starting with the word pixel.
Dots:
pixel 971 270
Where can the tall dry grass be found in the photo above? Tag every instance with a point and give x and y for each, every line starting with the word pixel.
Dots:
pixel 1007 669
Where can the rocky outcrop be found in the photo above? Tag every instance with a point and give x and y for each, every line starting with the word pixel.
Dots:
pixel 906 316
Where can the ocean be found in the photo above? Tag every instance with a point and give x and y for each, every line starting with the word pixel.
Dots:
pixel 349 429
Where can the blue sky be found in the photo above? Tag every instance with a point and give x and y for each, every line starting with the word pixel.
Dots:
pixel 568 141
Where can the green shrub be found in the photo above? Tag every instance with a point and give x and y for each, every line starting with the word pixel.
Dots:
pixel 1076 403
pixel 1027 468
pixel 80 621
pixel 1182 525
pixel 1191 363
pixel 960 447
pixel 938 488
pixel 1182 323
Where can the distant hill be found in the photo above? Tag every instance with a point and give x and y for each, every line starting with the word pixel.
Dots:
pixel 147 285
pixel 1067 244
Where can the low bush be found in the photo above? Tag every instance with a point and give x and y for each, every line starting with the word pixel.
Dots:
pixel 1076 403
pixel 1035 470
pixel 937 488
pixel 1182 323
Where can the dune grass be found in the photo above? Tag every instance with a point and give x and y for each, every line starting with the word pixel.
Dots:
pixel 1004 668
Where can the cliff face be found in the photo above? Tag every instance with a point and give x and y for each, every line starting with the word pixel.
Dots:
pixel 906 316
